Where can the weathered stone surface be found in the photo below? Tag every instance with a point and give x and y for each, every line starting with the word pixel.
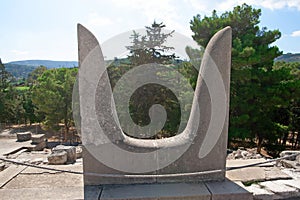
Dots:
pixel 292 183
pixel 57 158
pixel 45 180
pixel 92 192
pixel 288 164
pixel 10 173
pixel 70 150
pixel 49 193
pixel 280 189
pixel 287 153
pixel 273 173
pixel 191 191
pixel 227 190
pixel 243 153
pixel 37 147
pixel 237 163
pixel 260 193
pixel 246 174
pixel 79 152
pixel 25 136
pixel 36 139
pixel 212 153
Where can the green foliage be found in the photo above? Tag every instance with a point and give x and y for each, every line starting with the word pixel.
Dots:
pixel 260 92
pixel 52 96
pixel 150 48
pixel 35 74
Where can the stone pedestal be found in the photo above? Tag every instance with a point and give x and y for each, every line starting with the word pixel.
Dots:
pixel 224 190
pixel 39 138
pixel 25 136
pixel 190 165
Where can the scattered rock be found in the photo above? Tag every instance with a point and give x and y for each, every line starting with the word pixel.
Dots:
pixel 243 153
pixel 78 152
pixel 298 160
pixel 288 153
pixel 2 166
pixel 36 139
pixel 24 136
pixel 70 150
pixel 288 164
pixel 57 158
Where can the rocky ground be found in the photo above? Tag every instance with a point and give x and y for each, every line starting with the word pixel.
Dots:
pixel 273 180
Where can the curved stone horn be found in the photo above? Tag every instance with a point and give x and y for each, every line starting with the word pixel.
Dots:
pixel 200 147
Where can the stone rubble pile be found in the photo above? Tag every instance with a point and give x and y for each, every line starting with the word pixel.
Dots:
pixel 291 162
pixel 64 154
pixel 242 153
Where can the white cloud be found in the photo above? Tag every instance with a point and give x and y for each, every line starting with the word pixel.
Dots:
pixel 296 34
pixel 221 6
pixel 94 20
pixel 18 52
pixel 166 11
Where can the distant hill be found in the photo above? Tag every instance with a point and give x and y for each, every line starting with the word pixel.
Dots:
pixel 21 69
pixel 289 57
pixel 47 63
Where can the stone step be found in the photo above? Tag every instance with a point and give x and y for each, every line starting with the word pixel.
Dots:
pixel 9 173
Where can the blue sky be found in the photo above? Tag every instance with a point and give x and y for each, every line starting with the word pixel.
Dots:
pixel 35 29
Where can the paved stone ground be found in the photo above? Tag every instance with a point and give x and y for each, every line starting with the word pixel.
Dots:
pixel 20 182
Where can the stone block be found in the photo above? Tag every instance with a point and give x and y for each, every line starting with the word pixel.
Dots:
pixel 287 153
pixel 24 136
pixel 36 139
pixel 279 188
pixel 57 158
pixel 70 150
pixel 246 174
pixel 79 152
pixel 227 190
pixel 273 173
pixel 189 191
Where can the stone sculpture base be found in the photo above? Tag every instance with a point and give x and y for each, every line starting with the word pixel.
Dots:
pixel 223 190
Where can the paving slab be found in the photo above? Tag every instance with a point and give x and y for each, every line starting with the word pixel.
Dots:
pixel 227 190
pixel 77 167
pixel 10 145
pixel 280 189
pixel 92 192
pixel 9 173
pixel 190 191
pixel 260 193
pixel 240 162
pixel 273 173
pixel 45 181
pixel 61 193
pixel 295 173
pixel 246 174
pixel 291 183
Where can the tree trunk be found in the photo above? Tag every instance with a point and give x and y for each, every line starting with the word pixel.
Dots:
pixel 259 144
pixel 285 136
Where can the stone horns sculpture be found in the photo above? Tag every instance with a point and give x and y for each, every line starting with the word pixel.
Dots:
pixel 196 154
